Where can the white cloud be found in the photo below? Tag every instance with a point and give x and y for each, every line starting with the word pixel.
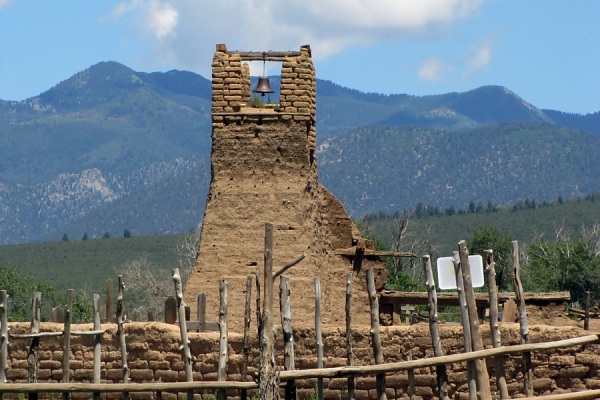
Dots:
pixel 156 17
pixel 481 57
pixel 4 3
pixel 431 70
pixel 187 31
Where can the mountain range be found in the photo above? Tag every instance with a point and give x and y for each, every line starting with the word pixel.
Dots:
pixel 111 149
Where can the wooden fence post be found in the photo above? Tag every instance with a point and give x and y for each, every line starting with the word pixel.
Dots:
pixel 67 341
pixel 376 341
pixel 97 340
pixel 186 355
pixel 121 333
pixel 494 326
pixel 464 320
pixel 32 354
pixel 202 311
pixel 319 335
pixel 3 336
pixel 586 322
pixel 288 334
pixel 246 346
pixel 442 375
pixel 482 376
pixel 171 310
pixel 268 376
pixel 109 301
pixel 349 354
pixel 222 367
pixel 527 369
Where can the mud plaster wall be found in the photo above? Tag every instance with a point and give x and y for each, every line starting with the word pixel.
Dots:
pixel 153 356
pixel 264 170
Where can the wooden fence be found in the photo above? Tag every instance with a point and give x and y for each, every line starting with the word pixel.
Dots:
pixel 270 379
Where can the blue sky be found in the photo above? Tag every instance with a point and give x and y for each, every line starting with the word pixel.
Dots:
pixel 546 51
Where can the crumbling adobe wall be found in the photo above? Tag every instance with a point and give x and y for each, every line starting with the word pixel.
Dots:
pixel 154 356
pixel 264 170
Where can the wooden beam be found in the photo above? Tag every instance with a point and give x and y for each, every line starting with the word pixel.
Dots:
pixel 264 55
pixel 482 299
pixel 351 251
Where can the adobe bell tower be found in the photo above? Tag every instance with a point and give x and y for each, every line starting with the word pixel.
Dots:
pixel 264 170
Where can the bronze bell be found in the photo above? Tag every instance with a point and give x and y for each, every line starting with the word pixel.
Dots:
pixel 263 86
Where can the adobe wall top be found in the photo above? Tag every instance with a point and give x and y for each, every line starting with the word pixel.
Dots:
pixel 265 55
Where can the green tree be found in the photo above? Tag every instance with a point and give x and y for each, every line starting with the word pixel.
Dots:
pixel 65 238
pixel 485 238
pixel 126 233
pixel 565 264
pixel 85 237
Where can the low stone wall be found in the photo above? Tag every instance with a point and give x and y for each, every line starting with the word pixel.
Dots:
pixel 154 356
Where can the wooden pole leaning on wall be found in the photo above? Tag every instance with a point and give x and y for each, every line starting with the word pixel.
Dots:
pixel 246 345
pixel 121 334
pixel 268 376
pixel 97 340
pixel 527 367
pixel 349 354
pixel 442 375
pixel 490 268
pixel 464 320
pixel 34 342
pixel 288 334
pixel 319 335
pixel 67 341
pixel 3 336
pixel 186 355
pixel 482 376
pixel 222 367
pixel 375 339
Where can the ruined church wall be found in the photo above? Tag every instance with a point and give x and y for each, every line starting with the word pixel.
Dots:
pixel 154 356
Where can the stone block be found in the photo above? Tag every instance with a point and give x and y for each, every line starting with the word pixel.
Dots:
pixel 16 373
pixel 587 359
pixel 138 364
pixel 561 360
pixel 576 371
pixel 142 375
pixel 166 375
pixel 543 384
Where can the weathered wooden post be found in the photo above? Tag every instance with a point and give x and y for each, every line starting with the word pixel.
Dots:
pixel 97 341
pixel 121 334
pixel 222 367
pixel 109 301
pixel 268 377
pixel 246 346
pixel 3 336
pixel 319 335
pixel 171 310
pixel 586 322
pixel 349 355
pixel 411 379
pixel 494 327
pixel 375 339
pixel 288 334
pixel 482 376
pixel 527 369
pixel 464 320
pixel 186 355
pixel 67 341
pixel 442 375
pixel 202 311
pixel 32 354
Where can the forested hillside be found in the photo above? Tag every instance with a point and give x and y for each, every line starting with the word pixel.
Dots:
pixel 111 148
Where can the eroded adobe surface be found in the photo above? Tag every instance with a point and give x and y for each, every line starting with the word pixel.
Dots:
pixel 264 170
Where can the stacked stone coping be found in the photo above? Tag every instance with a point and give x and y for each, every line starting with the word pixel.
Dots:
pixel 154 356
pixel 231 93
